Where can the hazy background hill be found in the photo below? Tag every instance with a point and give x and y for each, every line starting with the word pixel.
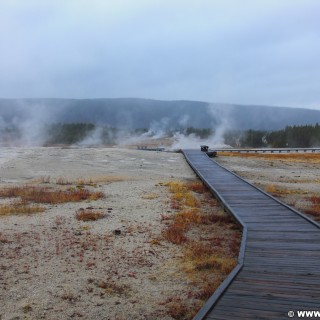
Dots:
pixel 143 113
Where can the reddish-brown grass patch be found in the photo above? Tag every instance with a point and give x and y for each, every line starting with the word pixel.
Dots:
pixel 288 157
pixel 198 187
pixel 20 207
pixel 88 215
pixel 315 200
pixel 209 243
pixel 314 209
pixel 39 194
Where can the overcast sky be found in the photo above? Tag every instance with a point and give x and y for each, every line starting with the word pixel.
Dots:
pixel 263 52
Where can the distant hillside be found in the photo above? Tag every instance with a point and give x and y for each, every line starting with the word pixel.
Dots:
pixel 142 113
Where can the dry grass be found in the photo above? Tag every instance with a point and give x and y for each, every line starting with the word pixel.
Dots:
pixel 284 187
pixel 197 187
pixel 92 181
pixel 315 200
pixel 313 158
pixel 182 195
pixel 4 239
pixel 26 195
pixel 209 241
pixel 314 209
pixel 280 191
pixel 39 194
pixel 113 287
pixel 182 222
pixel 178 309
pixel 181 309
pixel 207 289
pixel 19 207
pixel 88 215
pixel 149 196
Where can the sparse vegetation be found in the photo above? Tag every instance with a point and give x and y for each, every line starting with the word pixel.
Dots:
pixel 280 191
pixel 27 198
pixel 20 207
pixel 124 266
pixel 113 288
pixel 88 215
pixel 39 194
pixel 92 181
pixel 314 209
pixel 209 240
pixel 312 206
pixel 149 196
pixel 287 157
pixel 3 239
pixel 292 184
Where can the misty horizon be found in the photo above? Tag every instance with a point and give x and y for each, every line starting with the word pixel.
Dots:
pixel 163 100
pixel 247 53
pixel 32 122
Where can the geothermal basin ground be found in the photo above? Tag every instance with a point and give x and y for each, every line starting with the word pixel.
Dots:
pixel 138 237
pixel 108 233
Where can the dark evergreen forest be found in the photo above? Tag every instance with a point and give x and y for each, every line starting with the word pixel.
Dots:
pixel 291 137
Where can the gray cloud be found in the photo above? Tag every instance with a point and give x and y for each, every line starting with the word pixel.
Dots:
pixel 249 52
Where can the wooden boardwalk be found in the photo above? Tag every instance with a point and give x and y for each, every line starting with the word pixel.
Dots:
pixel 279 261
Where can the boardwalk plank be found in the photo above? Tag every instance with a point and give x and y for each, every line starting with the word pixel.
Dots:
pixel 280 269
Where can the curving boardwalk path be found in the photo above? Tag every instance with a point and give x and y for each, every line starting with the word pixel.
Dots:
pixel 279 261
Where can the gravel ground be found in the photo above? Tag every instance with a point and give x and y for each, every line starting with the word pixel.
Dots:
pixel 53 266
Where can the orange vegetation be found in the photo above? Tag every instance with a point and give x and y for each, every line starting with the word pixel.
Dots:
pixel 92 181
pixel 314 210
pixel 288 157
pixel 209 240
pixel 278 191
pixel 19 207
pixel 40 194
pixel 88 215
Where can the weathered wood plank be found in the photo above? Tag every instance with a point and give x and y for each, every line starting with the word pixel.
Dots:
pixel 280 270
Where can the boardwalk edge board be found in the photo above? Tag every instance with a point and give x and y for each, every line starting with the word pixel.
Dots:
pixel 225 284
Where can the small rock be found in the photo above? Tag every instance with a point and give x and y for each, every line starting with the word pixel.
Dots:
pixel 117 232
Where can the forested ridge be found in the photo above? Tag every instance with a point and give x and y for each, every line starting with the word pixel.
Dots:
pixel 74 133
pixel 306 136
pixel 132 113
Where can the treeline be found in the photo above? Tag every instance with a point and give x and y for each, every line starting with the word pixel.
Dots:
pixel 295 137
pixel 73 133
pixel 87 133
pixel 70 133
pixel 291 137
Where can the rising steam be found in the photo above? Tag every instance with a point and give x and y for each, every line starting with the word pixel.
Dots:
pixel 33 125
